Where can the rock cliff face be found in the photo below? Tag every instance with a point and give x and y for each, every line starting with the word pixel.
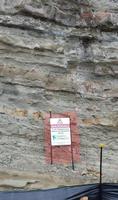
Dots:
pixel 61 55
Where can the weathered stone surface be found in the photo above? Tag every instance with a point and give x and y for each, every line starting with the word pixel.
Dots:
pixel 61 55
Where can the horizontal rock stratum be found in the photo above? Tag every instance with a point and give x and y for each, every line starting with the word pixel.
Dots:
pixel 59 55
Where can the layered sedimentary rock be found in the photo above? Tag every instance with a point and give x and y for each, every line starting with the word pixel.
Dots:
pixel 60 55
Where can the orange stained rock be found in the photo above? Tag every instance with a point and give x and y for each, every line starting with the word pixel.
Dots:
pixel 37 115
pixel 21 112
pixel 84 198
pixel 90 121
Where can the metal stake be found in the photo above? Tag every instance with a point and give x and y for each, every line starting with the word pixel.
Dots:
pixel 73 167
pixel 51 160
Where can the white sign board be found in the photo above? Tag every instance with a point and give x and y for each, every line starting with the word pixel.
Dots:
pixel 60 131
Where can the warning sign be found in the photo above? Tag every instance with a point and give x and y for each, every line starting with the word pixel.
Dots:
pixel 60 131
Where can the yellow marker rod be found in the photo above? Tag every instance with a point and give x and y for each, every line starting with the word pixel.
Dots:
pixel 101 145
pixel 51 156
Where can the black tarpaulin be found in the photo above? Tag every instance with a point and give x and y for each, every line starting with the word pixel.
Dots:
pixel 108 192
